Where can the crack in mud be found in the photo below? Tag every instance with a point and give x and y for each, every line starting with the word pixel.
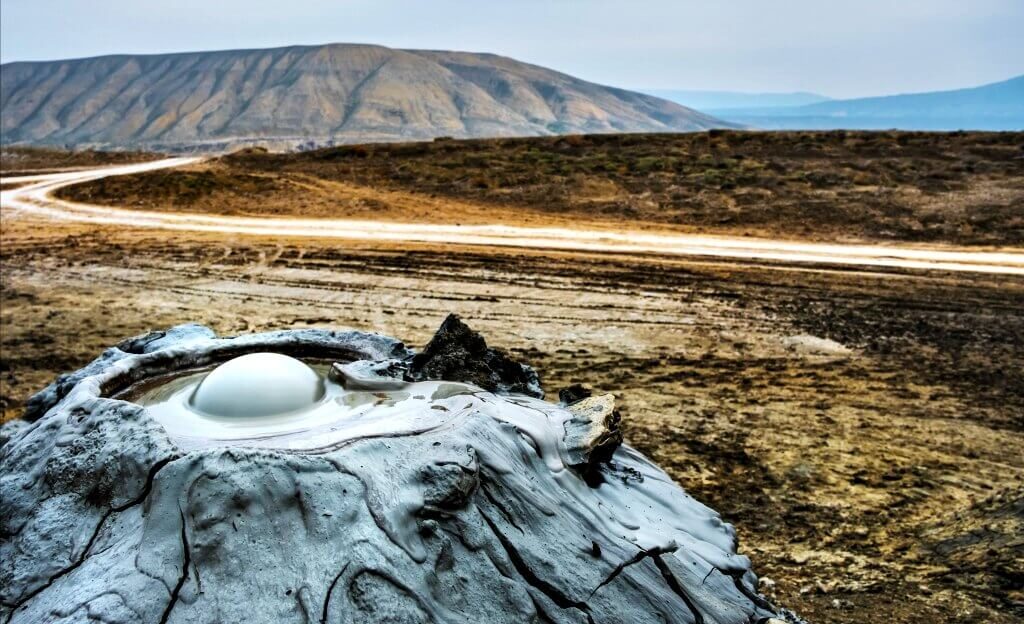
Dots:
pixel 676 587
pixel 752 595
pixel 640 556
pixel 501 508
pixel 330 590
pixel 184 571
pixel 523 568
pixel 68 570
pixel 146 488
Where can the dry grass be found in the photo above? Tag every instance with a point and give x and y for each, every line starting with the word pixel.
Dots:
pixel 964 188
pixel 22 159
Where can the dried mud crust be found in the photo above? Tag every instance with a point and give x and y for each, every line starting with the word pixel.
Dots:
pixel 962 187
pixel 880 485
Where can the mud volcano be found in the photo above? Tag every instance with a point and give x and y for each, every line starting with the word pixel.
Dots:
pixel 318 476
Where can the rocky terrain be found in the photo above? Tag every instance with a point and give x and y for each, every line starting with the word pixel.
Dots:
pixel 962 188
pixel 312 95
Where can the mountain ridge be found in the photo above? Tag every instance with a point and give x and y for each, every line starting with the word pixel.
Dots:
pixel 719 100
pixel 993 106
pixel 300 96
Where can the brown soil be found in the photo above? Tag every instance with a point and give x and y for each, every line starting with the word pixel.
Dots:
pixel 880 484
pixel 963 188
pixel 17 160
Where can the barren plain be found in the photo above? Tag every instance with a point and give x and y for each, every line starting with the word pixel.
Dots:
pixel 864 429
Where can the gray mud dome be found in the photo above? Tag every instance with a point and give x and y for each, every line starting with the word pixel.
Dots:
pixel 429 501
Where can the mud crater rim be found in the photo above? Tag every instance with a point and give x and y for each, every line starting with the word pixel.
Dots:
pixel 333 414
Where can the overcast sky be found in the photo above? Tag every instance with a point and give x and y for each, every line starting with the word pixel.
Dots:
pixel 841 48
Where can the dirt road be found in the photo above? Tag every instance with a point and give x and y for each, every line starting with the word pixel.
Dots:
pixel 34 195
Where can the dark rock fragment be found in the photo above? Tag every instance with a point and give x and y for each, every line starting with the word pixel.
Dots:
pixel 457 353
pixel 572 394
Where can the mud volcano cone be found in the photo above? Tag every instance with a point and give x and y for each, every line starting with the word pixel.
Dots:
pixel 319 476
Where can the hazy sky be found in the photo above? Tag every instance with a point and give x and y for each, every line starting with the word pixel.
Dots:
pixel 841 48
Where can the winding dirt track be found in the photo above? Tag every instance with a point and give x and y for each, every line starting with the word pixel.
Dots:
pixel 35 196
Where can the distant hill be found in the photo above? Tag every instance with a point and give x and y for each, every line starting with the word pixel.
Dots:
pixel 708 101
pixel 997 106
pixel 312 95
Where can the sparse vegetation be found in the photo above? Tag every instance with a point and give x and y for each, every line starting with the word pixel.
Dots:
pixel 17 159
pixel 183 188
pixel 965 188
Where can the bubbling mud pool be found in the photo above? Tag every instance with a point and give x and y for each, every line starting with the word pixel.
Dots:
pixel 317 405
pixel 310 409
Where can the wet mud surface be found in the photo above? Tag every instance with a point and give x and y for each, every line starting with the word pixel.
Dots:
pixel 862 430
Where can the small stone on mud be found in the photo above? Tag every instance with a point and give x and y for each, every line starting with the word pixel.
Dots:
pixel 806 344
pixel 593 434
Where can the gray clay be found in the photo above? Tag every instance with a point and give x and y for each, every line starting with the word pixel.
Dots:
pixel 443 502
